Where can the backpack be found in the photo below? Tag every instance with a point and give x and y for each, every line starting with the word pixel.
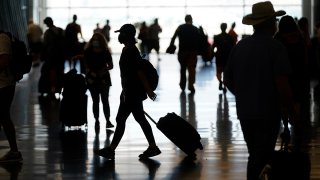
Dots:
pixel 21 61
pixel 150 73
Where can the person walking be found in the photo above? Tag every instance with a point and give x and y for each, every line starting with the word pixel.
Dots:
pixel 144 37
pixel 97 29
pixel 189 38
pixel 292 38
pixel 35 41
pixel 98 62
pixel 154 30
pixel 7 89
pixel 53 55
pixel 257 74
pixel 223 43
pixel 106 30
pixel 233 33
pixel 135 89
pixel 72 31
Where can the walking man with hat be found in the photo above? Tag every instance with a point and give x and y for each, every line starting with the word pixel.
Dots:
pixel 257 74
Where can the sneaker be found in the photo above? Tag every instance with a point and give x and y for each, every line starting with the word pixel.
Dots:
pixel 11 157
pixel 105 152
pixel 109 125
pixel 151 151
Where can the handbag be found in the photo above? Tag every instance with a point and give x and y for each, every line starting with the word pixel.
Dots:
pixel 287 163
pixel 171 49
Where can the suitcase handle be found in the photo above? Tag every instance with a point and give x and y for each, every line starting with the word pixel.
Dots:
pixel 150 118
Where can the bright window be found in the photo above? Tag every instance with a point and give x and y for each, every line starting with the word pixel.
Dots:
pixel 207 13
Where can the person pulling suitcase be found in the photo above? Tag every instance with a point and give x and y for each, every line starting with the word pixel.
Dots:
pixel 135 89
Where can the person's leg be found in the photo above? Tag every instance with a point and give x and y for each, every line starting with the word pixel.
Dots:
pixel 123 113
pixel 105 103
pixel 192 64
pixel 95 103
pixel 183 69
pixel 260 136
pixel 6 96
pixel 157 48
pixel 219 76
pixel 138 114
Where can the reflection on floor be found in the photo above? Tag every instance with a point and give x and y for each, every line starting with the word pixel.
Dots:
pixel 50 153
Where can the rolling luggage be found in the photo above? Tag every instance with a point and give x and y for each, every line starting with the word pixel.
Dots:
pixel 73 108
pixel 49 77
pixel 180 132
pixel 286 163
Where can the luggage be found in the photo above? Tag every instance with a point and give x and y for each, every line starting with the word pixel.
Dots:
pixel 290 165
pixel 286 163
pixel 47 78
pixel 205 49
pixel 171 49
pixel 73 108
pixel 74 145
pixel 180 132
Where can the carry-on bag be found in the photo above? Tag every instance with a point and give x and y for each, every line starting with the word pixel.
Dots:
pixel 180 132
pixel 73 108
pixel 286 163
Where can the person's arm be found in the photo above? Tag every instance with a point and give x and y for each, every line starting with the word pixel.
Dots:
pixel 286 97
pixel 4 61
pixel 228 74
pixel 5 49
pixel 174 36
pixel 109 63
pixel 80 32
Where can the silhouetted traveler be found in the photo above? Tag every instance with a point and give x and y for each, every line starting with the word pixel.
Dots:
pixel 53 55
pixel 35 40
pixel 189 38
pixel 257 74
pixel 72 31
pixel 304 28
pixel 135 89
pixel 98 62
pixel 7 89
pixel 154 30
pixel 106 30
pixel 224 43
pixel 233 33
pixel 315 53
pixel 97 29
pixel 144 37
pixel 292 38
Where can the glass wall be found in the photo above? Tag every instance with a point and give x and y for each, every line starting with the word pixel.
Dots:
pixel 207 13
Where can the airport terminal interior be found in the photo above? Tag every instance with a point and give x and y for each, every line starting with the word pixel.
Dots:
pixel 51 151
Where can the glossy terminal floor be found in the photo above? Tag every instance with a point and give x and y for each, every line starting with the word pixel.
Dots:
pixel 50 154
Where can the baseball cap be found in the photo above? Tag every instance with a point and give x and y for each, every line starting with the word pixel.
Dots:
pixel 127 29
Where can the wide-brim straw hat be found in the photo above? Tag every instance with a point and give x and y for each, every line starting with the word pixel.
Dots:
pixel 260 12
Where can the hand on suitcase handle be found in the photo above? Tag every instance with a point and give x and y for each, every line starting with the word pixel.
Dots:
pixel 152 95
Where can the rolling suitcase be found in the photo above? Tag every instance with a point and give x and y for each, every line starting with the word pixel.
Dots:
pixel 180 132
pixel 287 163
